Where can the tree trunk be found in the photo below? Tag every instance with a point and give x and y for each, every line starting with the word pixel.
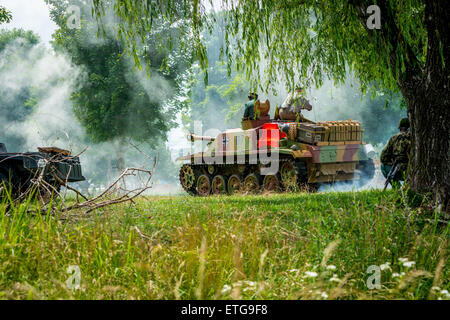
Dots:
pixel 428 101
pixel 120 151
pixel 429 112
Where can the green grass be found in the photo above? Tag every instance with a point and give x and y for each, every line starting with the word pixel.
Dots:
pixel 239 247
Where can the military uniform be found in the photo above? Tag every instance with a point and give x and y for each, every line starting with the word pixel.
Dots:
pixel 292 106
pixel 398 148
pixel 249 112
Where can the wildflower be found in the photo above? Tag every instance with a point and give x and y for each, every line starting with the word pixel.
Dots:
pixel 435 288
pixel 324 295
pixel 335 278
pixel 445 292
pixel 331 267
pixel 385 266
pixel 250 283
pixel 403 260
pixel 408 264
pixel 311 274
pixel 226 288
pixel 395 275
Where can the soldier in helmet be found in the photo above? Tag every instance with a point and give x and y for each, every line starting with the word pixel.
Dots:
pixel 249 113
pixel 397 149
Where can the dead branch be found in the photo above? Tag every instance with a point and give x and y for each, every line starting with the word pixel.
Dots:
pixel 111 196
pixel 46 189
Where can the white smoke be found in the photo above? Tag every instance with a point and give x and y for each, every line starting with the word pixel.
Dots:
pixel 52 78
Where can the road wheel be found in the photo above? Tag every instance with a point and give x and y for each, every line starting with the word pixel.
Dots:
pixel 204 185
pixel 219 185
pixel 211 170
pixel 187 177
pixel 288 172
pixel 271 183
pixel 234 184
pixel 251 183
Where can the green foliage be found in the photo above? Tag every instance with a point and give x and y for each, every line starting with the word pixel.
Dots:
pixel 380 116
pixel 16 105
pixel 28 38
pixel 113 100
pixel 287 246
pixel 5 15
pixel 220 104
pixel 304 42
pixel 379 113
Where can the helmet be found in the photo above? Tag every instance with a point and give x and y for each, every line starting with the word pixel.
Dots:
pixel 253 95
pixel 404 123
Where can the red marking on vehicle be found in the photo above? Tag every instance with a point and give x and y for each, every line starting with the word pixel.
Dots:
pixel 270 136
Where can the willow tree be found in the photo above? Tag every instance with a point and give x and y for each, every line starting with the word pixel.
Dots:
pixel 5 15
pixel 398 45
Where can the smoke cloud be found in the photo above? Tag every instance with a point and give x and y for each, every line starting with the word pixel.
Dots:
pixel 51 78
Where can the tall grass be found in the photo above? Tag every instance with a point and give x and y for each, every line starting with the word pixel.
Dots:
pixel 286 246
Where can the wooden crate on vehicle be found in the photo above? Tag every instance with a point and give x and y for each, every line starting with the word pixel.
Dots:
pixel 312 133
pixel 342 131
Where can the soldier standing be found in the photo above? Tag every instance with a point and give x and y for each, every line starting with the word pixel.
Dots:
pixel 249 113
pixel 397 150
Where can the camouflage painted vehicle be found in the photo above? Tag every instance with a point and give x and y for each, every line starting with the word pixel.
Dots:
pixel 273 155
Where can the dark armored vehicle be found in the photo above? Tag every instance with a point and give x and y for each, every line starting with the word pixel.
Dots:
pixel 55 166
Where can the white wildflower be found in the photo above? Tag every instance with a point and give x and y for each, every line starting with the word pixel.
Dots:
pixel 311 274
pixel 408 264
pixel 331 267
pixel 403 260
pixel 226 288
pixel 445 292
pixel 385 266
pixel 435 288
pixel 395 275
pixel 335 278
pixel 324 295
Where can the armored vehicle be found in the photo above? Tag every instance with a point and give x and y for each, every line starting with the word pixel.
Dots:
pixel 275 155
pixel 55 166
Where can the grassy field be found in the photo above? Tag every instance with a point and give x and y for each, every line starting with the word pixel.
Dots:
pixel 287 246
